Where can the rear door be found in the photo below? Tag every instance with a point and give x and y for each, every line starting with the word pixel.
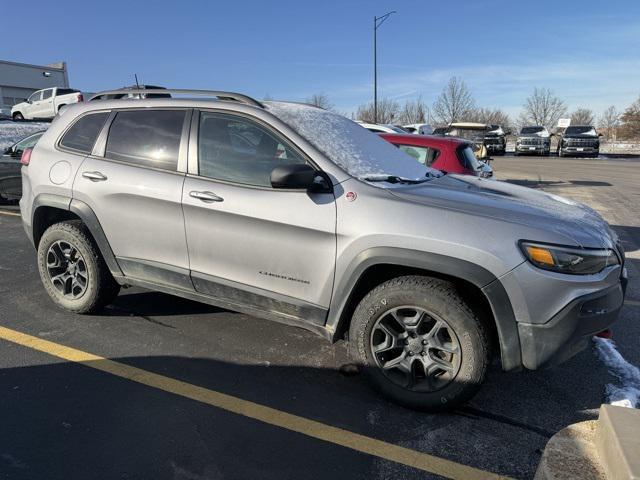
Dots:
pixel 249 243
pixel 45 109
pixel 133 183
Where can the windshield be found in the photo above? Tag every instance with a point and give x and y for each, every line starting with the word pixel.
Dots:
pixel 350 146
pixel 469 158
pixel 581 130
pixel 526 130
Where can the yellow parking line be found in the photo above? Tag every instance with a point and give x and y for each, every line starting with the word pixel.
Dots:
pixel 7 212
pixel 288 421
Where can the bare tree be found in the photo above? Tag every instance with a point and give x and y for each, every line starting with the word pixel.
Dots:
pixel 582 116
pixel 454 103
pixel 320 100
pixel 543 108
pixel 388 111
pixel 630 127
pixel 609 122
pixel 491 116
pixel 414 111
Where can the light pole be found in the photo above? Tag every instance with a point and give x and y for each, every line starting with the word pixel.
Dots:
pixel 377 21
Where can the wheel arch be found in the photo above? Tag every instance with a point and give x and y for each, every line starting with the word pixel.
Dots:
pixel 49 209
pixel 477 285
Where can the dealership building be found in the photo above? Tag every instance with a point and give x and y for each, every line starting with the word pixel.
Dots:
pixel 19 80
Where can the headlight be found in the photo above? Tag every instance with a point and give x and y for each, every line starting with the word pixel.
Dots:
pixel 570 260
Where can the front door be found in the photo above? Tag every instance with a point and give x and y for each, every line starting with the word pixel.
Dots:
pixel 250 243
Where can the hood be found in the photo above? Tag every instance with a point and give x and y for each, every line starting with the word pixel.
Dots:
pixel 578 223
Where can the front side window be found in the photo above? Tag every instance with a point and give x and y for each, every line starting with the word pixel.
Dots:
pixel 424 155
pixel 83 134
pixel 35 97
pixel 468 158
pixel 148 138
pixel 46 93
pixel 238 150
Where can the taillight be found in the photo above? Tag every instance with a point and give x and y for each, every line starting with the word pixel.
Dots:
pixel 80 98
pixel 26 156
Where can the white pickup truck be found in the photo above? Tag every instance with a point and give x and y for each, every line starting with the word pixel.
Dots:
pixel 44 104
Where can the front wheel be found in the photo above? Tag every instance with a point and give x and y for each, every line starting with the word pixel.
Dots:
pixel 17 117
pixel 419 343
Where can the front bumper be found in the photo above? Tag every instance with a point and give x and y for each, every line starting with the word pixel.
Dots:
pixel 581 150
pixel 532 148
pixel 570 330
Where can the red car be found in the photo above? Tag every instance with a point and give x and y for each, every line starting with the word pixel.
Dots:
pixel 451 155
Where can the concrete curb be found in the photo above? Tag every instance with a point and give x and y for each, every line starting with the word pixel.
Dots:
pixel 607 448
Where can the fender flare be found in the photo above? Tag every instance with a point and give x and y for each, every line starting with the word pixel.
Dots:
pixel 482 278
pixel 88 217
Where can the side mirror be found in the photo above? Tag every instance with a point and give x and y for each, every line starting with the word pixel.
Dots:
pixel 299 177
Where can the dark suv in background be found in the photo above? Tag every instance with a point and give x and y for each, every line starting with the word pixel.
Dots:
pixel 496 140
pixel 533 140
pixel 579 140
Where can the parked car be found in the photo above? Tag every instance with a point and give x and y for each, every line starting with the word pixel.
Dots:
pixel 331 229
pixel 533 139
pixel 419 128
pixel 129 93
pixel 382 127
pixel 451 155
pixel 579 140
pixel 495 139
pixel 10 177
pixel 472 132
pixel 45 104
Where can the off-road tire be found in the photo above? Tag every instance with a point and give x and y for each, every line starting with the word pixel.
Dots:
pixel 101 288
pixel 441 298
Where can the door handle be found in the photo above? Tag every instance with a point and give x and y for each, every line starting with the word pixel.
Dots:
pixel 94 176
pixel 206 196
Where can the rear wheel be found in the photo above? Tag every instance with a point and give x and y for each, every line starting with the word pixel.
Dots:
pixel 72 270
pixel 419 343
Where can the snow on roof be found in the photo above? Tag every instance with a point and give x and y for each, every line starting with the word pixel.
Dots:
pixel 350 146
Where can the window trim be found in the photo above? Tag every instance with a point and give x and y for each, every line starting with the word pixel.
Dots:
pixel 62 148
pixel 100 147
pixel 193 163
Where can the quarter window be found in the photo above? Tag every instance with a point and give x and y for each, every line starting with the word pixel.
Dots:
pixel 149 138
pixel 238 150
pixel 82 135
pixel 424 155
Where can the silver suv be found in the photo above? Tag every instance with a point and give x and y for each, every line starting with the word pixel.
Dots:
pixel 299 215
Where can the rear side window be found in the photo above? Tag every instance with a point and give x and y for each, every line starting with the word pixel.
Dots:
pixel 149 138
pixel 46 93
pixel 424 155
pixel 82 135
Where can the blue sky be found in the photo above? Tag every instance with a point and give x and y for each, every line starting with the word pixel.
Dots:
pixel 587 52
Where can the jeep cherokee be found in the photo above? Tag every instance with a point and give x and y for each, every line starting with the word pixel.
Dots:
pixel 296 214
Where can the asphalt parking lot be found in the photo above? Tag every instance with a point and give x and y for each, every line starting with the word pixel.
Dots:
pixel 184 390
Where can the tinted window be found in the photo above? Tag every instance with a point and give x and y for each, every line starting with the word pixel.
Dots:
pixel 150 138
pixel 238 150
pixel 468 158
pixel 46 93
pixel 424 155
pixel 526 130
pixel 28 142
pixel 580 130
pixel 82 135
pixel 65 91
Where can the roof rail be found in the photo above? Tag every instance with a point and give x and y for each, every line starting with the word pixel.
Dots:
pixel 236 97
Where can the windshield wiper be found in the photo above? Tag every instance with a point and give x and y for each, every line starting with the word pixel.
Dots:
pixel 393 179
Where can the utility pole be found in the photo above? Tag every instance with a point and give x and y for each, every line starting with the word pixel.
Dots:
pixel 377 21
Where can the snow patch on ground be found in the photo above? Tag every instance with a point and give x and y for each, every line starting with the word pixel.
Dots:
pixel 628 394
pixel 11 132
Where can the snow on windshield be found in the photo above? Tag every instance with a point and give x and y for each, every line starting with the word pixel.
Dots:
pixel 349 145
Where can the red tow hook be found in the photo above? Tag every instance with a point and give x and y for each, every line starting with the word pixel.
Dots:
pixel 605 334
